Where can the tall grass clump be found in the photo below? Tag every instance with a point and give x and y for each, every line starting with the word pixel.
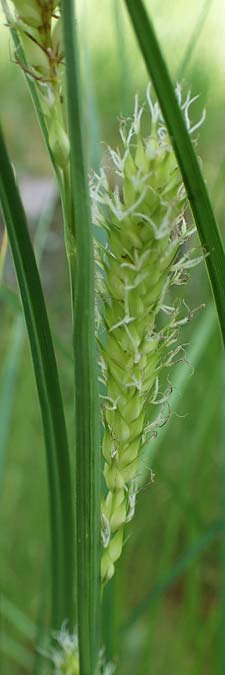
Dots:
pixel 123 311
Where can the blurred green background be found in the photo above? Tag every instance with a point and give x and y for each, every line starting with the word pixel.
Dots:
pixel 170 589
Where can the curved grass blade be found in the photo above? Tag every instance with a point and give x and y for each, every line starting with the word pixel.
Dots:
pixel 3 251
pixel 188 163
pixel 60 493
pixel 200 341
pixel 124 83
pixel 7 388
pixel 13 650
pixel 13 356
pixel 194 38
pixel 177 571
pixel 221 617
pixel 10 613
pixel 88 458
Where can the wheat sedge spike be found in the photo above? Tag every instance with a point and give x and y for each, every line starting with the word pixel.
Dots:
pixel 144 217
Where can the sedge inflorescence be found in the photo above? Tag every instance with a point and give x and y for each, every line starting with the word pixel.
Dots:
pixel 64 656
pixel 144 217
pixel 38 26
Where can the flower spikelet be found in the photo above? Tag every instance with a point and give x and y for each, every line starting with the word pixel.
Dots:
pixel 38 26
pixel 144 217
pixel 64 656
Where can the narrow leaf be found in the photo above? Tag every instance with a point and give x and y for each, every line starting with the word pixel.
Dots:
pixel 177 571
pixel 48 389
pixel 16 652
pixel 183 147
pixel 88 460
pixel 194 38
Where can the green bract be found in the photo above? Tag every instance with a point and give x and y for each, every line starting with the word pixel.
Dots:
pixel 145 222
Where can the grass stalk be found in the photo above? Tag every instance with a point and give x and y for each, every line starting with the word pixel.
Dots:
pixel 45 368
pixel 183 147
pixel 88 460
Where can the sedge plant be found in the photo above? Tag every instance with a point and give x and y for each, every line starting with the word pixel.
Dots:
pixel 119 291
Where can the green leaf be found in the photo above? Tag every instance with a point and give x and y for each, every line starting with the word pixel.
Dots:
pixel 12 359
pixel 16 652
pixel 45 368
pixel 17 618
pixel 8 381
pixel 194 38
pixel 177 571
pixel 88 457
pixel 188 163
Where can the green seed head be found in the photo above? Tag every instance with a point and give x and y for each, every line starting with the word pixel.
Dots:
pixel 145 222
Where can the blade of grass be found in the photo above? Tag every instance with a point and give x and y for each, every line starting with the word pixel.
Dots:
pixel 122 56
pixel 13 356
pixel 194 38
pixel 9 297
pixel 200 340
pixel 177 571
pixel 9 374
pixel 45 368
pixel 221 622
pixel 181 516
pixel 183 147
pixel 16 652
pixel 92 111
pixel 10 613
pixel 3 251
pixel 88 457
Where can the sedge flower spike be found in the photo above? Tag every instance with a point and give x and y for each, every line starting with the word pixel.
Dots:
pixel 39 27
pixel 145 222
pixel 64 656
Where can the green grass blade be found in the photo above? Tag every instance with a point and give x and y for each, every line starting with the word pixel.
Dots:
pixel 10 613
pixel 200 341
pixel 92 108
pixel 123 72
pixel 194 38
pixel 177 570
pixel 221 617
pixel 183 147
pixel 16 652
pixel 7 388
pixel 48 390
pixel 88 458
pixel 13 356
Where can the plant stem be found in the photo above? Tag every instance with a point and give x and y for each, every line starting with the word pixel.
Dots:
pixel 88 458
